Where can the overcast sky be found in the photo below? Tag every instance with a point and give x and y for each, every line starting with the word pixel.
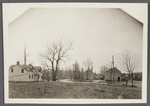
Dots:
pixel 96 33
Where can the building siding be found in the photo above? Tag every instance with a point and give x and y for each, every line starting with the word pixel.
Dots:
pixel 115 75
pixel 17 74
pixel 90 75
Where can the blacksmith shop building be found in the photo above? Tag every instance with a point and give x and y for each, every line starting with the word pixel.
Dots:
pixel 113 74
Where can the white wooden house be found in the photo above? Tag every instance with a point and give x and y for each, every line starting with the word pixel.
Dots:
pixel 24 73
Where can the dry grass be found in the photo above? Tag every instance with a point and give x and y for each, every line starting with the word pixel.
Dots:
pixel 71 90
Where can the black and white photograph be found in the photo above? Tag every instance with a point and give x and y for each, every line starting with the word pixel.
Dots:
pixel 75 52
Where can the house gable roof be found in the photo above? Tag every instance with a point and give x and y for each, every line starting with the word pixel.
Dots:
pixel 22 66
pixel 18 65
pixel 111 69
pixel 27 66
pixel 12 66
pixel 88 71
pixel 37 67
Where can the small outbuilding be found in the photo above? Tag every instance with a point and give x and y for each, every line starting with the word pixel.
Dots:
pixel 88 74
pixel 113 74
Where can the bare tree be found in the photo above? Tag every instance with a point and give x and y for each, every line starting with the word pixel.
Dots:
pixel 60 74
pixel 88 64
pixel 23 58
pixel 25 55
pixel 130 63
pixel 55 53
pixel 69 73
pixel 81 74
pixel 103 69
pixel 76 70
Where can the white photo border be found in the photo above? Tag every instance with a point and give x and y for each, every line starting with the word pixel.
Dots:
pixel 77 101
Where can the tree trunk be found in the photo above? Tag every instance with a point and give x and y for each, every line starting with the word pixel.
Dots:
pixel 126 82
pixel 53 75
pixel 132 79
pixel 54 78
pixel 87 74
pixel 47 79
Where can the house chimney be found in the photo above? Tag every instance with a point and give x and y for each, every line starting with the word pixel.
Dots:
pixel 18 63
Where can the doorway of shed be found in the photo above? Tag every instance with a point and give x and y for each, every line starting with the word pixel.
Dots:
pixel 118 78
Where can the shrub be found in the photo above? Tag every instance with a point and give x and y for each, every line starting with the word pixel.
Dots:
pixel 123 79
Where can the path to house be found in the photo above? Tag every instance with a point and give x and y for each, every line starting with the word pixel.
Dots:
pixel 96 81
pixel 70 81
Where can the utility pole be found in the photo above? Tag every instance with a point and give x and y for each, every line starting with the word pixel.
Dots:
pixel 113 67
pixel 25 56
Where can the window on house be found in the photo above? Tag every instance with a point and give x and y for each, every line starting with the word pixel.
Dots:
pixel 12 70
pixel 29 76
pixel 32 76
pixel 22 71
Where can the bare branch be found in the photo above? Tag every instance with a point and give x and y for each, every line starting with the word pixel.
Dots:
pixel 129 62
pixel 55 53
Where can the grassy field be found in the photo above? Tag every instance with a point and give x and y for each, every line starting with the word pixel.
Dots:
pixel 71 90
